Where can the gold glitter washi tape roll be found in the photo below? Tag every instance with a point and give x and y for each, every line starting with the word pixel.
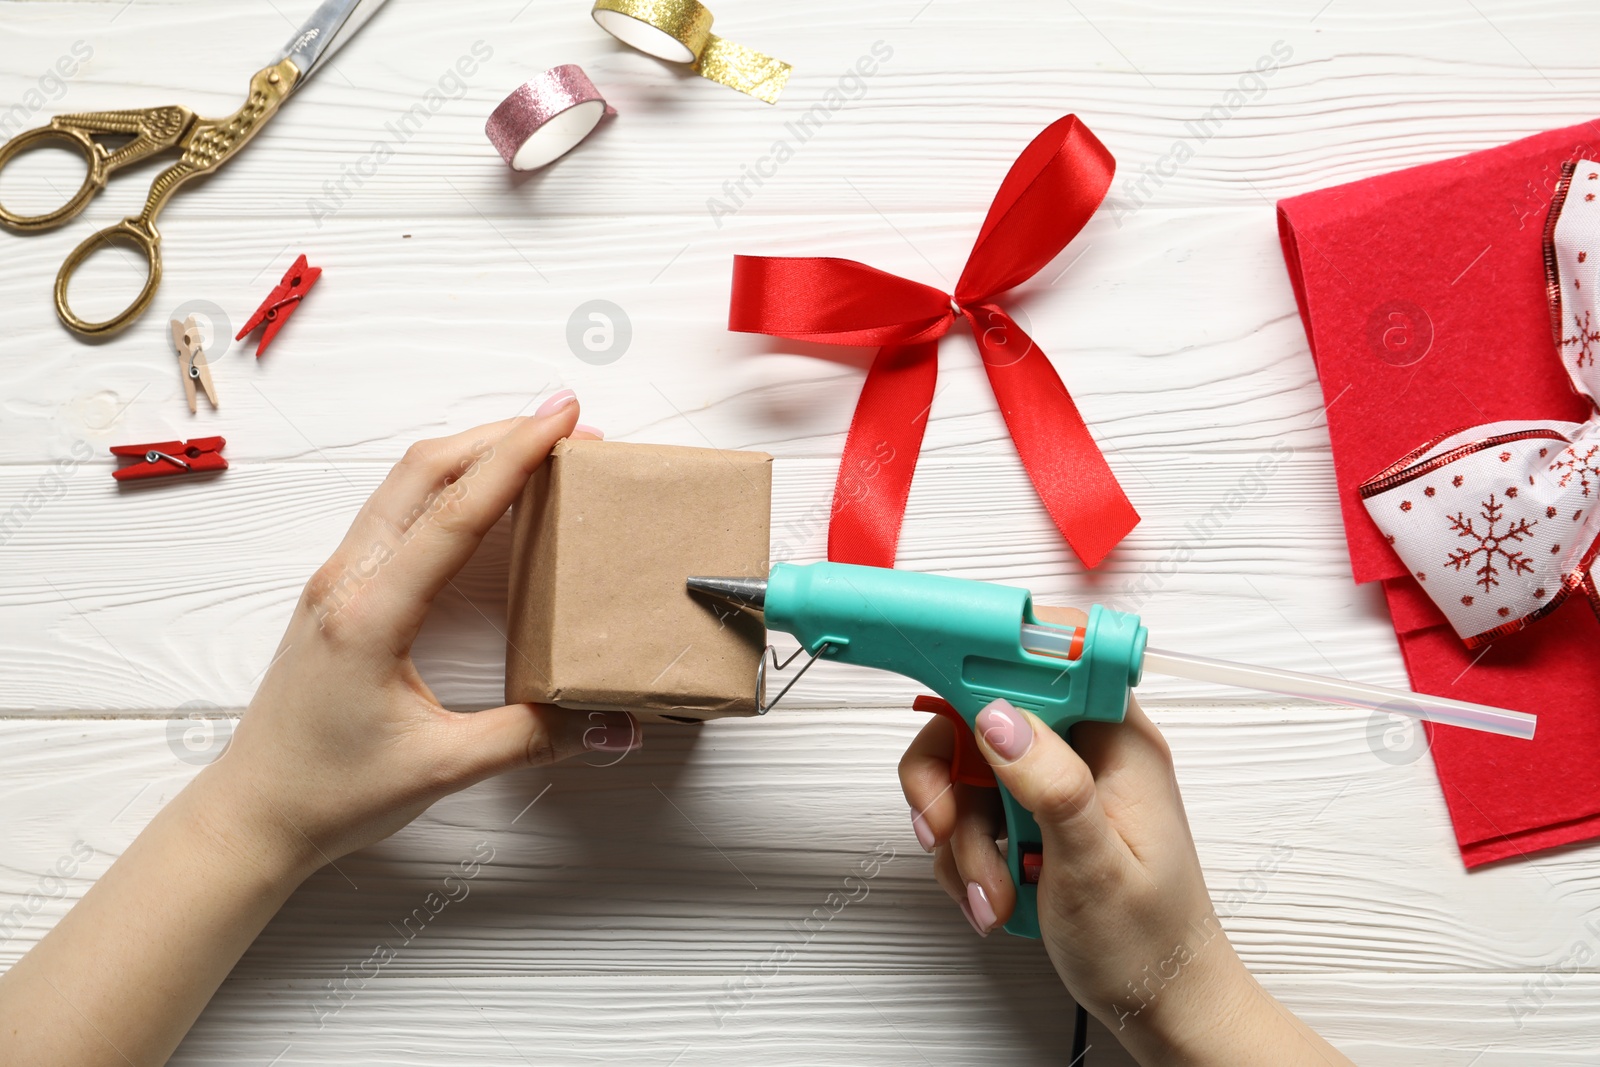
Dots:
pixel 679 31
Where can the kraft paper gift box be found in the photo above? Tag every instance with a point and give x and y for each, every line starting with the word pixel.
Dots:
pixel 603 537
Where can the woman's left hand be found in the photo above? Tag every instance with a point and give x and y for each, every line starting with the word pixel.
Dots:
pixel 344 743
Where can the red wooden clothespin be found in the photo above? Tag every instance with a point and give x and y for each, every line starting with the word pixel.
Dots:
pixel 281 302
pixel 166 458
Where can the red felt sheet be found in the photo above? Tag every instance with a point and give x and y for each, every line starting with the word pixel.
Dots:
pixel 1423 297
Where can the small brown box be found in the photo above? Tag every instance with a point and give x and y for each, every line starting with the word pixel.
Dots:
pixel 603 537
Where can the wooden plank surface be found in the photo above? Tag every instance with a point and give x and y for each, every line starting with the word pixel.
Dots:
pixel 660 880
pixel 606 923
pixel 867 1019
pixel 696 854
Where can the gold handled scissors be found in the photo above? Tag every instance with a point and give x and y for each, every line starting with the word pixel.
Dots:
pixel 203 144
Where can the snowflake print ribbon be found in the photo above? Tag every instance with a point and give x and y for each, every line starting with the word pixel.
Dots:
pixel 1500 523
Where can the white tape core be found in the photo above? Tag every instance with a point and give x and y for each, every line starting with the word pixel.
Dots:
pixel 558 136
pixel 644 37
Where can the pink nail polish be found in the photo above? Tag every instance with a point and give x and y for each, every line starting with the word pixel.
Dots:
pixel 967 911
pixel 924 832
pixel 592 431
pixel 982 912
pixel 556 402
pixel 612 731
pixel 1005 730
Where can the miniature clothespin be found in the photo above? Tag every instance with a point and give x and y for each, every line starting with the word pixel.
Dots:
pixel 192 361
pixel 166 458
pixel 280 303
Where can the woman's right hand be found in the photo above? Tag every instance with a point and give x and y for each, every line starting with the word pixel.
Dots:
pixel 1123 907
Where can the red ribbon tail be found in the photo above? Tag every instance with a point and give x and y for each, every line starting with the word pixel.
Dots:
pixel 880 455
pixel 1067 467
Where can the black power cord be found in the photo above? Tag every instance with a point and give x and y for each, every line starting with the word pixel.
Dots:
pixel 1080 1034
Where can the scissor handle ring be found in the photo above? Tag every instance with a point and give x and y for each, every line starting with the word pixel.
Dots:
pixel 141 235
pixel 94 179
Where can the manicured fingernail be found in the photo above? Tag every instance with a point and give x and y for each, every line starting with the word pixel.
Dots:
pixel 979 909
pixel 556 402
pixel 1005 729
pixel 967 911
pixel 924 833
pixel 612 731
pixel 592 431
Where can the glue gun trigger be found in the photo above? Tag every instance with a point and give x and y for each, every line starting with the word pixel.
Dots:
pixel 967 765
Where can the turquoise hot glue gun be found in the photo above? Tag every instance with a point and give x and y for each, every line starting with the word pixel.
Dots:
pixel 972 642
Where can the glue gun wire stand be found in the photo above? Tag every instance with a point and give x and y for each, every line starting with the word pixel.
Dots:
pixel 1046 640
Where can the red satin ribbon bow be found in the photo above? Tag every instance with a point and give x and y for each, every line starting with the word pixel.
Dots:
pixel 1049 194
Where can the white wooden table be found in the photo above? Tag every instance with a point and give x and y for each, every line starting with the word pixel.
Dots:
pixel 616 913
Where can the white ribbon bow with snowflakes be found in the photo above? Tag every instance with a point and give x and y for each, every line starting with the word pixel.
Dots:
pixel 1500 523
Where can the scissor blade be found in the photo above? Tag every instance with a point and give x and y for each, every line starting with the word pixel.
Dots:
pixel 325 32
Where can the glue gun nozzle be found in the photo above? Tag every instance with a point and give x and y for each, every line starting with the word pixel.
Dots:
pixel 740 592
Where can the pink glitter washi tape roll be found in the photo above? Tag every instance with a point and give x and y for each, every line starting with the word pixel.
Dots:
pixel 544 118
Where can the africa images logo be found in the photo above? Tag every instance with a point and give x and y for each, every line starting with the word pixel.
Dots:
pixel 851 85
